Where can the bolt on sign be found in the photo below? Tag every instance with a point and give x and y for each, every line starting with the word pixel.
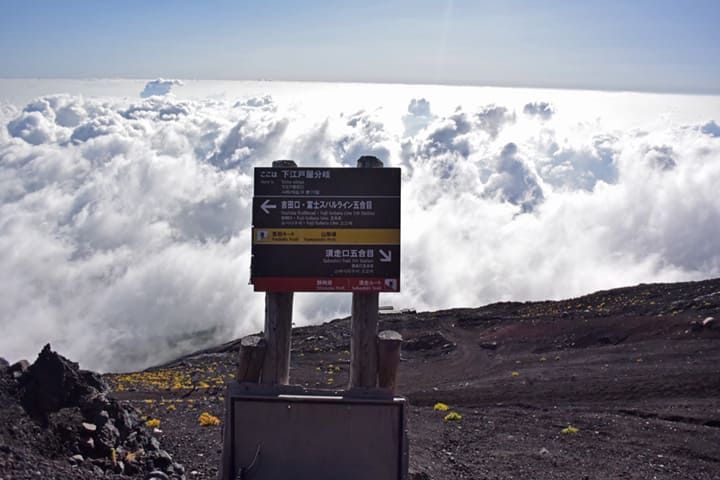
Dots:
pixel 326 230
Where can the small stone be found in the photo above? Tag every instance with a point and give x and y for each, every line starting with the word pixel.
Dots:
pixel 161 459
pixel 419 476
pixel 544 451
pixel 153 444
pixel 489 345
pixel 94 380
pixel 710 323
pixel 695 326
pixel 131 468
pixel 94 404
pixel 178 468
pixel 76 459
pixel 18 368
pixel 107 437
pixel 157 475
pixel 90 442
pixel 127 421
pixel 89 427
pixel 102 418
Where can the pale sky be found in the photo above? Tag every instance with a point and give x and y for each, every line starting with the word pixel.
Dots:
pixel 648 45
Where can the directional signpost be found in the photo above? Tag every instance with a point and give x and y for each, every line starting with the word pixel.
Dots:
pixel 326 230
pixel 320 230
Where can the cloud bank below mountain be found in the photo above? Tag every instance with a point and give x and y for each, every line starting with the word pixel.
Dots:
pixel 125 223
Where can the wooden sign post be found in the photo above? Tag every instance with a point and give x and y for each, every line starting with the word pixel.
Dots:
pixel 320 230
pixel 364 326
pixel 278 326
pixel 278 330
pixel 325 230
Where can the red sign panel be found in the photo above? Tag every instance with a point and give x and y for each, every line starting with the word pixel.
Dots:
pixel 343 284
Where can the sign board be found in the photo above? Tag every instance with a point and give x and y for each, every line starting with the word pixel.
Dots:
pixel 317 435
pixel 326 229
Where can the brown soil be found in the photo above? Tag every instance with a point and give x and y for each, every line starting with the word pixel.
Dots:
pixel 626 367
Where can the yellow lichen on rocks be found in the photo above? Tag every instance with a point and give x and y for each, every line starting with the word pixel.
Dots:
pixel 452 416
pixel 206 420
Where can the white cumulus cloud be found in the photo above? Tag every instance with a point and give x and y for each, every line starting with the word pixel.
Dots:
pixel 125 224
pixel 159 87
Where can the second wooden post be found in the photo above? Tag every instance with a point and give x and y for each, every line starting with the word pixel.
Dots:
pixel 363 342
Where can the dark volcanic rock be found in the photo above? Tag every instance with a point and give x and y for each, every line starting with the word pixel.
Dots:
pixel 429 343
pixel 53 382
pixel 489 345
pixel 107 438
pixel 18 368
pixel 156 475
pixel 74 416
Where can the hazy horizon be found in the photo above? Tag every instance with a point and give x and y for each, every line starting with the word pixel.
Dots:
pixel 587 88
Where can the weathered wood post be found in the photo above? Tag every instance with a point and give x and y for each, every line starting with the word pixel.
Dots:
pixel 252 355
pixel 278 326
pixel 363 343
pixel 389 342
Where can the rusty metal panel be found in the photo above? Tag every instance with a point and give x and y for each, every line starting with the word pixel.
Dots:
pixel 318 437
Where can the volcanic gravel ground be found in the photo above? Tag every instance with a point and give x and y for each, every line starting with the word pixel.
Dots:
pixel 633 370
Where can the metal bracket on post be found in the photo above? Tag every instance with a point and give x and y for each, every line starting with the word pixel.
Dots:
pixel 364 326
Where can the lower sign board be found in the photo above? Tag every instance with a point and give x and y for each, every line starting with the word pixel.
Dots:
pixel 336 268
pixel 323 435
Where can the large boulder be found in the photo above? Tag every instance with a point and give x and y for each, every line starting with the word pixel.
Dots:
pixel 75 406
pixel 53 382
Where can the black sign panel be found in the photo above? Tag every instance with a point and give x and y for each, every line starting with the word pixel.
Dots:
pixel 326 261
pixel 323 212
pixel 338 182
pixel 326 229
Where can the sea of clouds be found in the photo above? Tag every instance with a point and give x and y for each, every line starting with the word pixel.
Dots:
pixel 125 220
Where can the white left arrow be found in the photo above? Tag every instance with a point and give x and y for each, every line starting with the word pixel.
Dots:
pixel 385 257
pixel 267 206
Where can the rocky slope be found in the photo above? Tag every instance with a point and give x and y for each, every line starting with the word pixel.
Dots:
pixel 635 372
pixel 59 422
